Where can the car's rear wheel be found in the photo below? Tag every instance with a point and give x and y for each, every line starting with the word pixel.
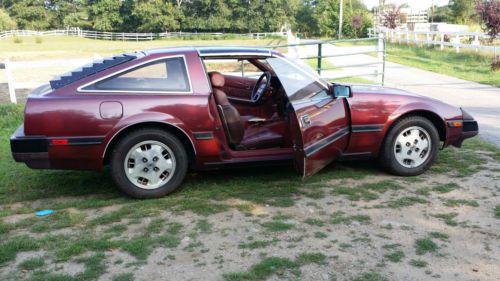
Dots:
pixel 148 163
pixel 410 147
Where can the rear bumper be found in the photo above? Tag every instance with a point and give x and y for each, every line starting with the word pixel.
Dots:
pixel 31 150
pixel 470 128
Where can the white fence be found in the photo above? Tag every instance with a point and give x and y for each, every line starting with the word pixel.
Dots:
pixel 124 36
pixel 457 40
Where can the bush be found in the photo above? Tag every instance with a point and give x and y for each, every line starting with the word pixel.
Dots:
pixel 495 64
pixel 38 40
pixel 18 40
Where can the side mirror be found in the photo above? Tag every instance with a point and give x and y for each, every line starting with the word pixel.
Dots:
pixel 341 91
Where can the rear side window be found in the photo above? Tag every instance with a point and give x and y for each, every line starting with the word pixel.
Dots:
pixel 167 75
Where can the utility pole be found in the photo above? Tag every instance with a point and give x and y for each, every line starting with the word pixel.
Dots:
pixel 341 15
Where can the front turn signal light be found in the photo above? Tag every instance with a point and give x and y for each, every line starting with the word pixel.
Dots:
pixel 455 124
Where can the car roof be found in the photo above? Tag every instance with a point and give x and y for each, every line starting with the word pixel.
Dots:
pixel 215 51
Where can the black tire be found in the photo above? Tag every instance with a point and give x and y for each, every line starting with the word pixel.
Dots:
pixel 388 155
pixel 132 139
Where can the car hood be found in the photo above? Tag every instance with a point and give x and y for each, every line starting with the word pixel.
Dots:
pixel 380 90
pixel 373 89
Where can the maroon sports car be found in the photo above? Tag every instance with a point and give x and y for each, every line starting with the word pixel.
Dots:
pixel 151 115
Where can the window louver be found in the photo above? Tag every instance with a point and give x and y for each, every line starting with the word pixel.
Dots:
pixel 90 69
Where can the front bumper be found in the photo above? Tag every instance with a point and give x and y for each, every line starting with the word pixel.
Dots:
pixel 470 128
pixel 31 150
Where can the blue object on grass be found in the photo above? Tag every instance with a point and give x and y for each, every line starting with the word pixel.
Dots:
pixel 44 213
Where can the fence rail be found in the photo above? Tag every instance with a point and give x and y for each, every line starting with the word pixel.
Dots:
pixel 457 40
pixel 125 36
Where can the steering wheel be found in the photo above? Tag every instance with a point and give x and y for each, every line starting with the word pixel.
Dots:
pixel 261 87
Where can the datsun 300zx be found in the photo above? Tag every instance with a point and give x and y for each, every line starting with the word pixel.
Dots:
pixel 152 115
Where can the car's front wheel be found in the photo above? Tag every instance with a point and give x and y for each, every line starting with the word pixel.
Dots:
pixel 410 147
pixel 148 163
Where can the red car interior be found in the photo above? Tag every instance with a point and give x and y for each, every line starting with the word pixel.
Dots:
pixel 239 135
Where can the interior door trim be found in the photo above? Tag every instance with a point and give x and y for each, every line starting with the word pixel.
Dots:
pixel 324 142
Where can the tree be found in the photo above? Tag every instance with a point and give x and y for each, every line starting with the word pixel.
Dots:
pixel 31 14
pixel 6 23
pixel 462 11
pixel 305 21
pixel 105 15
pixel 489 12
pixel 154 16
pixel 391 16
pixel 442 14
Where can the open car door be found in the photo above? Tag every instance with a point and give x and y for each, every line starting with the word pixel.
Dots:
pixel 319 121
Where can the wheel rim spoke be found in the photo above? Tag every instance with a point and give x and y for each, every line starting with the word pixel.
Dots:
pixel 412 146
pixel 149 164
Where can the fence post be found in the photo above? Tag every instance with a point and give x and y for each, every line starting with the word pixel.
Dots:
pixel 10 81
pixel 457 40
pixel 381 59
pixel 442 41
pixel 320 47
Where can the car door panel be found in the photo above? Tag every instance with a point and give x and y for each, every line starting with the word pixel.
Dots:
pixel 239 87
pixel 324 133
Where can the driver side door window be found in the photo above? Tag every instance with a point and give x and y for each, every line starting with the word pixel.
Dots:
pixel 240 77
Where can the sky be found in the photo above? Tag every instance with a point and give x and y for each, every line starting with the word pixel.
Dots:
pixel 414 4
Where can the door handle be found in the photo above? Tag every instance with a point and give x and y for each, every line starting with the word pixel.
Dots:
pixel 306 120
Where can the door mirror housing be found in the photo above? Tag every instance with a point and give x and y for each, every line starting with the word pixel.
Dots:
pixel 341 91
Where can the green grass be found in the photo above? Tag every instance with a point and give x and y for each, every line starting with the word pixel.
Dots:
pixel 465 65
pixel 448 218
pixel 342 218
pixel 124 277
pixel 276 265
pixel 315 222
pixel 497 211
pixel 460 202
pixel 439 235
pixel 395 256
pixel 326 64
pixel 258 244
pixel 31 263
pixel 425 245
pixel 366 191
pixel 418 263
pixel 445 188
pixel 405 202
pixel 369 276
pixel 277 226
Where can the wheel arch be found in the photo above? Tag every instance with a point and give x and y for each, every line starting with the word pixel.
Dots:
pixel 434 118
pixel 186 141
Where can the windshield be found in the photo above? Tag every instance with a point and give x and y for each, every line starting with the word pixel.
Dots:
pixel 298 79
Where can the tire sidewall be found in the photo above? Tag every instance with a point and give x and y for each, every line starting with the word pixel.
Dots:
pixel 130 140
pixel 388 157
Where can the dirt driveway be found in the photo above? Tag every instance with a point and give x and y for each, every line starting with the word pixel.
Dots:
pixel 350 222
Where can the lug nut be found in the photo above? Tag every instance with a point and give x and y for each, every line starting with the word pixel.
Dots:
pixel 144 160
pixel 156 169
pixel 155 158
pixel 146 170
pixel 408 144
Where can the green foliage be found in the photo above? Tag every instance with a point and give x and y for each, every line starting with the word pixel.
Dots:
pixel 154 16
pixel 31 14
pixel 462 11
pixel 6 22
pixel 426 245
pixel 105 15
pixel 31 263
pixel 158 16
